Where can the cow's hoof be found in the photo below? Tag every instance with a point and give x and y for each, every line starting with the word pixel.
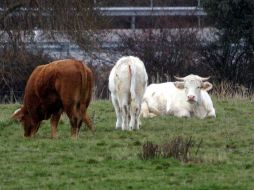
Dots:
pixel 125 129
pixel 74 137
pixel 118 128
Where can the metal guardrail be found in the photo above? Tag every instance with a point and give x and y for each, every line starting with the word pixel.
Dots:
pixel 151 11
pixel 133 12
pixel 63 46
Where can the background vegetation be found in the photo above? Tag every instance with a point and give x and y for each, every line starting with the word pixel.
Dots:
pixel 167 45
pixel 75 22
pixel 231 55
pixel 109 159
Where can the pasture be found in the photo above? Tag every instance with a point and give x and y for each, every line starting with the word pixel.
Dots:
pixel 109 159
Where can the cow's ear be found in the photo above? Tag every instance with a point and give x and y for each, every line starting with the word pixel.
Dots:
pixel 179 85
pixel 18 114
pixel 207 86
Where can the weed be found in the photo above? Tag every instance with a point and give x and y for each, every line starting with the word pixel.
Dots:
pixel 150 151
pixel 178 148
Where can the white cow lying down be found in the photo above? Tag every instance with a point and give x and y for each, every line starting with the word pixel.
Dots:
pixel 182 99
pixel 127 84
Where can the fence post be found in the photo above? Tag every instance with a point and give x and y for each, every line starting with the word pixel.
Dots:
pixel 133 22
pixel 199 22
pixel 151 3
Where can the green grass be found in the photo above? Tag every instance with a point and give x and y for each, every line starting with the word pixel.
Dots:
pixel 109 159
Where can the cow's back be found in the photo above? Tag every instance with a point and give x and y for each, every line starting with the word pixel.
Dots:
pixel 128 71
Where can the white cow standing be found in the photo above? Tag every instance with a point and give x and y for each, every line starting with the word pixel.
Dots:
pixel 127 84
pixel 184 98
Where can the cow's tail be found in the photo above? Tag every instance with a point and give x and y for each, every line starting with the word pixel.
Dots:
pixel 87 85
pixel 86 93
pixel 132 72
pixel 83 93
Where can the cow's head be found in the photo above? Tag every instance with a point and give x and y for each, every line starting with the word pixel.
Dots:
pixel 30 127
pixel 193 84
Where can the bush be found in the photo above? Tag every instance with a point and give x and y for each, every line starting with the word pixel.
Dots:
pixel 231 55
pixel 15 70
pixel 228 62
pixel 178 148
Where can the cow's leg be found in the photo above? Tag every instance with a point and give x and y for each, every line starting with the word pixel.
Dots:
pixel 76 122
pixel 151 115
pixel 135 114
pixel 125 115
pixel 124 109
pixel 132 118
pixel 125 103
pixel 34 130
pixel 88 122
pixel 211 113
pixel 74 132
pixel 75 126
pixel 54 122
pixel 137 117
pixel 72 109
pixel 182 113
pixel 74 119
pixel 144 110
pixel 133 121
pixel 73 122
pixel 78 127
pixel 118 111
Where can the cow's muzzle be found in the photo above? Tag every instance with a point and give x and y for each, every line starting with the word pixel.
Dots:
pixel 191 99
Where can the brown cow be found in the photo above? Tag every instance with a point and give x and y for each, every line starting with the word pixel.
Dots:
pixel 54 88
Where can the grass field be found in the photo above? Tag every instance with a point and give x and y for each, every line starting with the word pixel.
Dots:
pixel 109 159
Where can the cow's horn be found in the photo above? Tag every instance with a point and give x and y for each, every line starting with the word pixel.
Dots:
pixel 205 78
pixel 179 78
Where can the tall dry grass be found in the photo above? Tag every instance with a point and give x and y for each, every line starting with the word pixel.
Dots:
pixel 227 90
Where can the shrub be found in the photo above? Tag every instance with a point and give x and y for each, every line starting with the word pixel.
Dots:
pixel 179 148
pixel 15 70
